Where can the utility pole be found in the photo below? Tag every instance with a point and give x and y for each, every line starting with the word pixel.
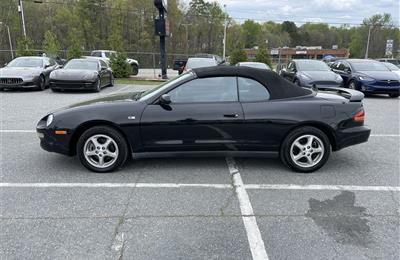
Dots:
pixel 9 39
pixel 21 17
pixel 369 36
pixel 225 27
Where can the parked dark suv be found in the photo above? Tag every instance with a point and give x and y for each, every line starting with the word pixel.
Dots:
pixel 368 76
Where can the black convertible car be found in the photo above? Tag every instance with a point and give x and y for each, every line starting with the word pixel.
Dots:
pixel 236 111
pixel 82 74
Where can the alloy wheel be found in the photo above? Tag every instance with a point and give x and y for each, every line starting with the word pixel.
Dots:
pixel 307 151
pixel 101 151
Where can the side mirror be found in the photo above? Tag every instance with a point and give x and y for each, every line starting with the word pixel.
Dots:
pixel 347 70
pixel 165 99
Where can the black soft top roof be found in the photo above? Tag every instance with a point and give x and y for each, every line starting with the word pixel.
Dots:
pixel 278 87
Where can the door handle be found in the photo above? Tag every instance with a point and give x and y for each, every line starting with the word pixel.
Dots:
pixel 232 115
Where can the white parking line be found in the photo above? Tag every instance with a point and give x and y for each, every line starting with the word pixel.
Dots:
pixel 196 185
pixel 17 131
pixel 256 242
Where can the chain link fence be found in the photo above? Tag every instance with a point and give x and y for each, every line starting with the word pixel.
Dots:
pixel 149 61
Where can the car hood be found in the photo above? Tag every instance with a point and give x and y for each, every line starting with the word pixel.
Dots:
pixel 20 72
pixel 71 74
pixel 320 75
pixel 379 75
pixel 113 98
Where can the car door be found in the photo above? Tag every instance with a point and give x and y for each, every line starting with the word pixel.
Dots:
pixel 263 129
pixel 291 71
pixel 204 114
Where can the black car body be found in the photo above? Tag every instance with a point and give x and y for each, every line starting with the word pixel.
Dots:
pixel 368 76
pixel 82 74
pixel 209 111
pixel 27 73
pixel 310 73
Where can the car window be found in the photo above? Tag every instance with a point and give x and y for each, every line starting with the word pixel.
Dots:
pixel 340 66
pixel 47 63
pixel 52 62
pixel 96 54
pixel 216 89
pixel 251 90
pixel 103 64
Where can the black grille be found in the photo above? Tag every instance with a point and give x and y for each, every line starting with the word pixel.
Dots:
pixel 388 83
pixel 10 81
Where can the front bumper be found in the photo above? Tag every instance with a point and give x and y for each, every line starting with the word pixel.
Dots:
pixel 375 88
pixel 26 84
pixel 352 136
pixel 317 84
pixel 72 85
pixel 51 142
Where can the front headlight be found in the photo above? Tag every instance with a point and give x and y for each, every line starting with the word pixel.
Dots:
pixel 90 76
pixel 49 120
pixel 364 78
pixel 305 77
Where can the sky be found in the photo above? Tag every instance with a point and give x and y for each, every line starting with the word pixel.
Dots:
pixel 334 12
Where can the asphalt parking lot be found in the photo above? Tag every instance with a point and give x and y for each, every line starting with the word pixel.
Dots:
pixel 195 208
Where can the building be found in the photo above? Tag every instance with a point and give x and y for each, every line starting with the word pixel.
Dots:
pixel 300 52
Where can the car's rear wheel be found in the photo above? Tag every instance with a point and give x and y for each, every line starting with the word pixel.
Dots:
pixel 102 149
pixel 41 83
pixel 135 69
pixel 111 80
pixel 305 149
pixel 394 95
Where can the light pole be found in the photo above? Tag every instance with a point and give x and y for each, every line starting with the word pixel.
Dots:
pixel 225 27
pixel 22 17
pixel 9 39
pixel 369 36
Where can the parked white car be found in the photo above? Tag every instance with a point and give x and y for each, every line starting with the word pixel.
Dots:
pixel 106 54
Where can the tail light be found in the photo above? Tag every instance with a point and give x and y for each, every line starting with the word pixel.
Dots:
pixel 359 116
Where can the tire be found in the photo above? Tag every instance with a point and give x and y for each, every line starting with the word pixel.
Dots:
pixel 41 83
pixel 54 90
pixel 394 95
pixel 310 159
pixel 352 85
pixel 112 80
pixel 97 158
pixel 135 69
pixel 98 85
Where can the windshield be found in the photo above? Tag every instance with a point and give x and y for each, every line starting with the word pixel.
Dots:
pixel 200 62
pixel 391 66
pixel 26 63
pixel 312 65
pixel 369 66
pixel 256 65
pixel 154 91
pixel 81 65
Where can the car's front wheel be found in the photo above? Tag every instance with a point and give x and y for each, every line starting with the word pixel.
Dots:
pixel 135 69
pixel 352 85
pixel 98 85
pixel 394 95
pixel 41 83
pixel 305 149
pixel 102 149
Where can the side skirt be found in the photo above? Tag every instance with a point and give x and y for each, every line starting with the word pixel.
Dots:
pixel 205 154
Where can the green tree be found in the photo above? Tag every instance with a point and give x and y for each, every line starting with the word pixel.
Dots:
pixel 25 47
pixel 236 56
pixel 51 46
pixel 120 67
pixel 252 31
pixel 74 45
pixel 263 56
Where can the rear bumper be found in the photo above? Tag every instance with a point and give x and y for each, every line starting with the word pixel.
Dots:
pixel 352 136
pixel 72 85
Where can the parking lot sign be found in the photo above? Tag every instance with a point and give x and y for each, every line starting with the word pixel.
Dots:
pixel 389 48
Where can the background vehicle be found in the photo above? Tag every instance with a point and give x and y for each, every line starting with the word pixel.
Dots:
pixel 194 63
pixel 392 68
pixel 82 74
pixel 106 54
pixel 257 65
pixel 212 111
pixel 310 73
pixel 27 73
pixel 368 76
pixel 393 61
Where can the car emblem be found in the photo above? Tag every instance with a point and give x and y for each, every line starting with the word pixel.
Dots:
pixel 131 117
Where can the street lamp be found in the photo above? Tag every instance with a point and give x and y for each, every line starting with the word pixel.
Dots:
pixel 225 27
pixel 9 39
